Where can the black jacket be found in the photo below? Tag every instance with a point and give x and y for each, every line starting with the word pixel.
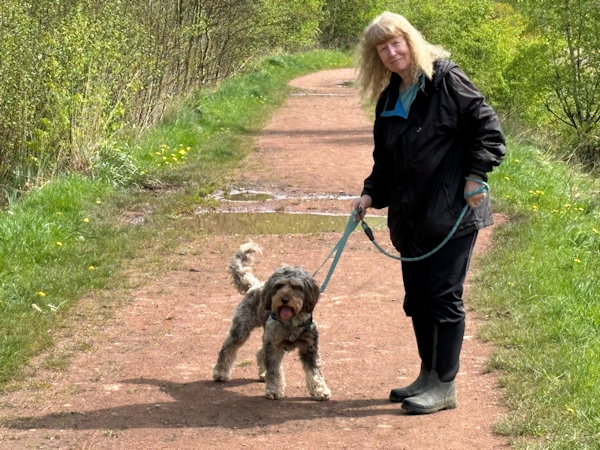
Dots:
pixel 420 163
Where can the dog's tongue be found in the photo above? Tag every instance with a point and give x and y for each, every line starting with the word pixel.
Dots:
pixel 285 312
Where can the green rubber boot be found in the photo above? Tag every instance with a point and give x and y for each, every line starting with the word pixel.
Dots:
pixel 417 387
pixel 437 396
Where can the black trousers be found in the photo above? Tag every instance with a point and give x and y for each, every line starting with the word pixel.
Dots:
pixel 434 286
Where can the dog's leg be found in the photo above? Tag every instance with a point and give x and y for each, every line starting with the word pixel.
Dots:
pixel 275 380
pixel 260 360
pixel 309 355
pixel 240 330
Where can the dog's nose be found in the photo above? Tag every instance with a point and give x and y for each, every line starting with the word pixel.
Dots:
pixel 285 301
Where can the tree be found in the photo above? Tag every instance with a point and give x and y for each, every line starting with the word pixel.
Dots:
pixel 570 46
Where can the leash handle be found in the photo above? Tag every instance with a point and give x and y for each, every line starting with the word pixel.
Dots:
pixel 480 190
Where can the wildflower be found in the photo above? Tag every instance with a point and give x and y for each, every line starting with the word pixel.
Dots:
pixel 580 209
pixel 571 410
pixel 86 220
pixel 567 205
pixel 59 213
pixel 59 243
pixel 98 202
pixel 510 283
pixel 506 178
pixel 91 268
pixel 577 260
pixel 41 294
pixel 534 207
pixel 595 231
pixel 517 161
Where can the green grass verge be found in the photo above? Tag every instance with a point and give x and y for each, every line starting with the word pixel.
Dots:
pixel 67 239
pixel 540 288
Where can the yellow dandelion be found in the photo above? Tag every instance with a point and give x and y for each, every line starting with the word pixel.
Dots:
pixel 98 202
pixel 571 410
pixel 577 260
pixel 86 220
pixel 40 294
pixel 59 243
pixel 91 268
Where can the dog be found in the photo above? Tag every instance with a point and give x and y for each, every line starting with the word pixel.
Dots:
pixel 283 306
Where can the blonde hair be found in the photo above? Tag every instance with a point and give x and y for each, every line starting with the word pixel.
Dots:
pixel 373 76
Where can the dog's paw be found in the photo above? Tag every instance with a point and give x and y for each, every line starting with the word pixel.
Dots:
pixel 273 394
pixel 321 393
pixel 221 376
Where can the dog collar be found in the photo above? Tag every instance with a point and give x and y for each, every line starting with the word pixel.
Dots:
pixel 305 324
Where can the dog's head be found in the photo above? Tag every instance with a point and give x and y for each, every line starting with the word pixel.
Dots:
pixel 290 291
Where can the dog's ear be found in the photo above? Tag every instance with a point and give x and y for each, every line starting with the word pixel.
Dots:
pixel 311 292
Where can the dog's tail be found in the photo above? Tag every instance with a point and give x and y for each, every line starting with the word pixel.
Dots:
pixel 240 270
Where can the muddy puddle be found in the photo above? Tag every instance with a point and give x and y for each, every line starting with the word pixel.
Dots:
pixel 275 223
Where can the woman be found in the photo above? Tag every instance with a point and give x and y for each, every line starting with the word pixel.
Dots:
pixel 432 129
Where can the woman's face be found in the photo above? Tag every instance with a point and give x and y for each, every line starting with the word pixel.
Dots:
pixel 395 55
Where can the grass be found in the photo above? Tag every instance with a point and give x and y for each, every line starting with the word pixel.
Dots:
pixel 69 239
pixel 540 289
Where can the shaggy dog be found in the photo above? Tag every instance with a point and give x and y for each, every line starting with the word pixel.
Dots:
pixel 283 307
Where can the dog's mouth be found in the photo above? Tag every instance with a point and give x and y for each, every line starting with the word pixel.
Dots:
pixel 286 312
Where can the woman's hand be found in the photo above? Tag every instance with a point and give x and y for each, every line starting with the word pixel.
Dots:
pixel 364 202
pixel 474 200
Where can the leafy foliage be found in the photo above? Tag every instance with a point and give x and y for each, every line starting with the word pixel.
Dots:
pixel 74 73
pixel 566 59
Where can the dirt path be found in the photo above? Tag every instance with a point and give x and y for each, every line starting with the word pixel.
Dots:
pixel 146 384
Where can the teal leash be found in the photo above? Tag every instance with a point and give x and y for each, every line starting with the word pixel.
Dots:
pixel 352 223
pixel 338 249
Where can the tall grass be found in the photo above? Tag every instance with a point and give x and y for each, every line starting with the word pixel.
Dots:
pixel 66 239
pixel 540 287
